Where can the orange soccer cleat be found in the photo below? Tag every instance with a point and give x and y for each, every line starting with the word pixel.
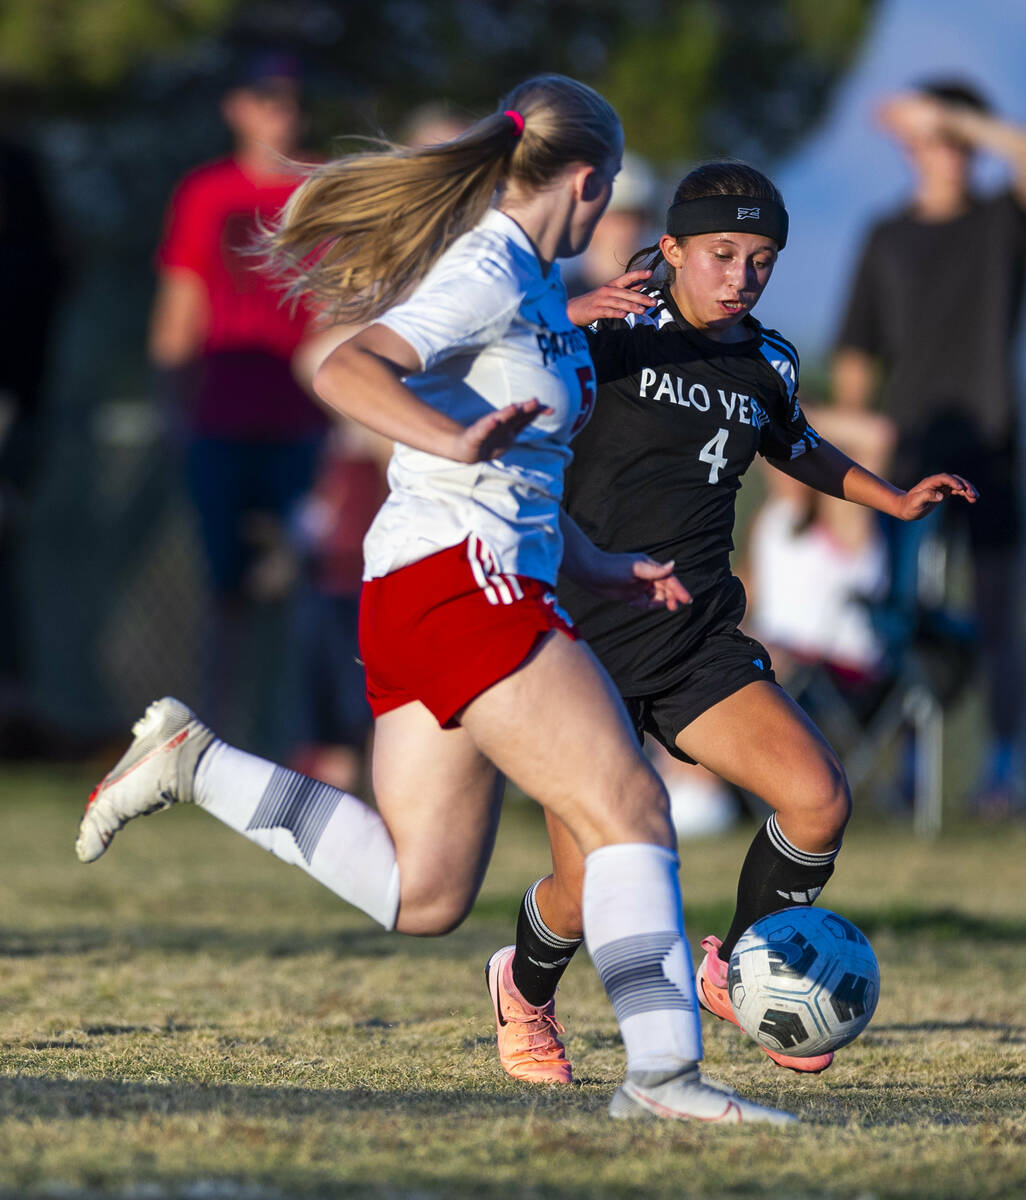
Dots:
pixel 711 985
pixel 529 1045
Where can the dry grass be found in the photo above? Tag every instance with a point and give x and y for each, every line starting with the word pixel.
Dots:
pixel 191 1018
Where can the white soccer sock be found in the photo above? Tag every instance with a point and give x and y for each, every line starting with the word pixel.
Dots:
pixel 634 929
pixel 331 835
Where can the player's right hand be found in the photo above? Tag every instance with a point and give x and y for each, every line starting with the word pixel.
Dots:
pixel 616 298
pixel 492 435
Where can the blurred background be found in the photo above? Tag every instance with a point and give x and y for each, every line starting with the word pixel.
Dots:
pixel 107 104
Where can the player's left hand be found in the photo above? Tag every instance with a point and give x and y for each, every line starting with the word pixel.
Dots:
pixel 637 580
pixel 931 491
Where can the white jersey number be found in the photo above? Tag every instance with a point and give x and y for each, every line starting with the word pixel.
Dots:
pixel 712 453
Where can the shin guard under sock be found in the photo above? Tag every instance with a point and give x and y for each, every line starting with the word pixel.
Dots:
pixel 541 956
pixel 775 875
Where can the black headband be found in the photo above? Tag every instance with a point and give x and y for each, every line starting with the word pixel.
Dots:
pixel 720 214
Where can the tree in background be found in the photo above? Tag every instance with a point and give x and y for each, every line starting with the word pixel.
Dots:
pixel 689 78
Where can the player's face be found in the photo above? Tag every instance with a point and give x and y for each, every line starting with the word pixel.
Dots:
pixel 719 277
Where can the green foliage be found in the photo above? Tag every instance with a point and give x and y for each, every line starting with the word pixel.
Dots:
pixel 659 80
pixel 730 77
pixel 50 43
pixel 690 79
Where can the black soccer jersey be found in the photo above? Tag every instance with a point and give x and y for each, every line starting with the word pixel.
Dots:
pixel 678 419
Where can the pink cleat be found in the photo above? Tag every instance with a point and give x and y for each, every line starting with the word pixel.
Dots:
pixel 711 985
pixel 529 1047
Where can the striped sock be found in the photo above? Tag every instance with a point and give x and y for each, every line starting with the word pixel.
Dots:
pixel 327 833
pixel 635 933
pixel 541 956
pixel 775 875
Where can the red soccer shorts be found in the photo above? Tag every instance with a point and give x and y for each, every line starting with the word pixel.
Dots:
pixel 444 629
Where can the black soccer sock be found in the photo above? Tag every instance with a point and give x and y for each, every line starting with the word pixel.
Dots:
pixel 775 875
pixel 541 956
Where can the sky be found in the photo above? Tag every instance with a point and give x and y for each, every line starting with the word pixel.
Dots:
pixel 846 172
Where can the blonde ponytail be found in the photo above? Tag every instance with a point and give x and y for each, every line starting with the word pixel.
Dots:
pixel 360 232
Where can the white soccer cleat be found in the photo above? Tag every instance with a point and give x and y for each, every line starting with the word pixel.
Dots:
pixel 155 772
pixel 689 1096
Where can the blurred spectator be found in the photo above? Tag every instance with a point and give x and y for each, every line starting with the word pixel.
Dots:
pixel 432 123
pixel 816 562
pixel 222 346
pixel 625 227
pixel 30 281
pixel 334 719
pixel 932 316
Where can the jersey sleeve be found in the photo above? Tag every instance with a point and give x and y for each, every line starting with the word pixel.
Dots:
pixel 788 438
pixel 463 304
pixel 861 324
pixel 784 431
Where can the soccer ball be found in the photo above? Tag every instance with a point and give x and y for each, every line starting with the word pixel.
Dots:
pixel 803 981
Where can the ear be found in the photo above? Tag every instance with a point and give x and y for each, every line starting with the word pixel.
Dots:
pixel 672 251
pixel 589 183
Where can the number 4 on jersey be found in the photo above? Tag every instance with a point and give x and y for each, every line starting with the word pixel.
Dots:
pixel 712 453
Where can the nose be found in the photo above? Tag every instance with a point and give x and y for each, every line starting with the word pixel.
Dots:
pixel 737 274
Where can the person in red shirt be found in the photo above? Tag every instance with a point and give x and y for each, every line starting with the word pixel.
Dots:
pixel 331 716
pixel 222 344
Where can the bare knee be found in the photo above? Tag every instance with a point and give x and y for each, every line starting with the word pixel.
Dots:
pixel 431 915
pixel 634 808
pixel 431 905
pixel 818 808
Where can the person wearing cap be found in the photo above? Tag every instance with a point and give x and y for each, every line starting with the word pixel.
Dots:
pixel 690 388
pixel 223 344
pixel 929 327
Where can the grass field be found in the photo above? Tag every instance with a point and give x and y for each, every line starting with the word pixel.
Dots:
pixel 189 1017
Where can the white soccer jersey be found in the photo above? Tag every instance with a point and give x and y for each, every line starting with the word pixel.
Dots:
pixel 490 330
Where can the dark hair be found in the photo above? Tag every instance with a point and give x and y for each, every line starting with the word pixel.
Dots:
pixel 955 91
pixel 721 177
pixel 267 68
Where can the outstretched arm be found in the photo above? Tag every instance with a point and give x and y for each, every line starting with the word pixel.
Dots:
pixel 634 578
pixel 829 470
pixel 362 379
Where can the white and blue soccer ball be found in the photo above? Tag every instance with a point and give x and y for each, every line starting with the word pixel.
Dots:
pixel 803 981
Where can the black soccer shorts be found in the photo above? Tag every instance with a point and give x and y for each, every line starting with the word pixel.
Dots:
pixel 725 662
